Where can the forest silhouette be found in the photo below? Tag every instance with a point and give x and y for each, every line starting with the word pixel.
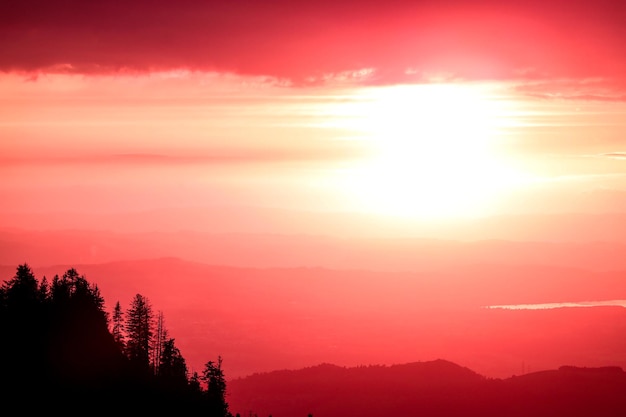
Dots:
pixel 61 351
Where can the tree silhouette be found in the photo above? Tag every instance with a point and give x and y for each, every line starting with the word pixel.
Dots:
pixel 194 383
pixel 21 292
pixel 158 342
pixel 78 335
pixel 213 375
pixel 172 366
pixel 58 353
pixel 22 322
pixel 139 328
pixel 118 326
pixel 44 290
pixel 55 338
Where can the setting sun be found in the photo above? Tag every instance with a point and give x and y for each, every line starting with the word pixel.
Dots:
pixel 433 149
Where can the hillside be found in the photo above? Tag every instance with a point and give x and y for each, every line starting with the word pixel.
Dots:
pixel 435 388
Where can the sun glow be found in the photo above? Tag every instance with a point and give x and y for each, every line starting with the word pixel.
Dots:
pixel 433 152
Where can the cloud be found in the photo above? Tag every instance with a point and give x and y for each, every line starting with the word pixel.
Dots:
pixel 615 155
pixel 304 41
pixel 331 151
pixel 543 306
pixel 584 89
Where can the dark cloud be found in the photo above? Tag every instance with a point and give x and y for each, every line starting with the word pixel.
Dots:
pixel 306 40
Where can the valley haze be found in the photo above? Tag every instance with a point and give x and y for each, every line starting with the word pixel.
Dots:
pixel 283 297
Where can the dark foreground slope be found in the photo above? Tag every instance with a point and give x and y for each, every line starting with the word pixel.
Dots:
pixel 438 388
pixel 57 355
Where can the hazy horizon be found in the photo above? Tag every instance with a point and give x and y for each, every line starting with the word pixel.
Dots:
pixel 340 181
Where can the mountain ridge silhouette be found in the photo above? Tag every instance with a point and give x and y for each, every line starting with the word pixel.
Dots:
pixel 430 388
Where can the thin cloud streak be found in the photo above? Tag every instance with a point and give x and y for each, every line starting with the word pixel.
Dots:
pixel 545 306
pixel 336 151
pixel 614 155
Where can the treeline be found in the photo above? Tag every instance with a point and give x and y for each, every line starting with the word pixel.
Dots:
pixel 60 350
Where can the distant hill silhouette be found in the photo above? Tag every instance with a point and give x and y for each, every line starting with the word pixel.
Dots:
pixel 436 388
pixel 350 316
pixel 48 246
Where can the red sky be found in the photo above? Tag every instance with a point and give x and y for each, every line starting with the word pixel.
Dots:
pixel 420 109
pixel 472 39
pixel 328 118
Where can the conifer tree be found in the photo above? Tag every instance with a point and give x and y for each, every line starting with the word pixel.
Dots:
pixel 213 376
pixel 22 291
pixel 44 289
pixel 118 325
pixel 139 331
pixel 172 367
